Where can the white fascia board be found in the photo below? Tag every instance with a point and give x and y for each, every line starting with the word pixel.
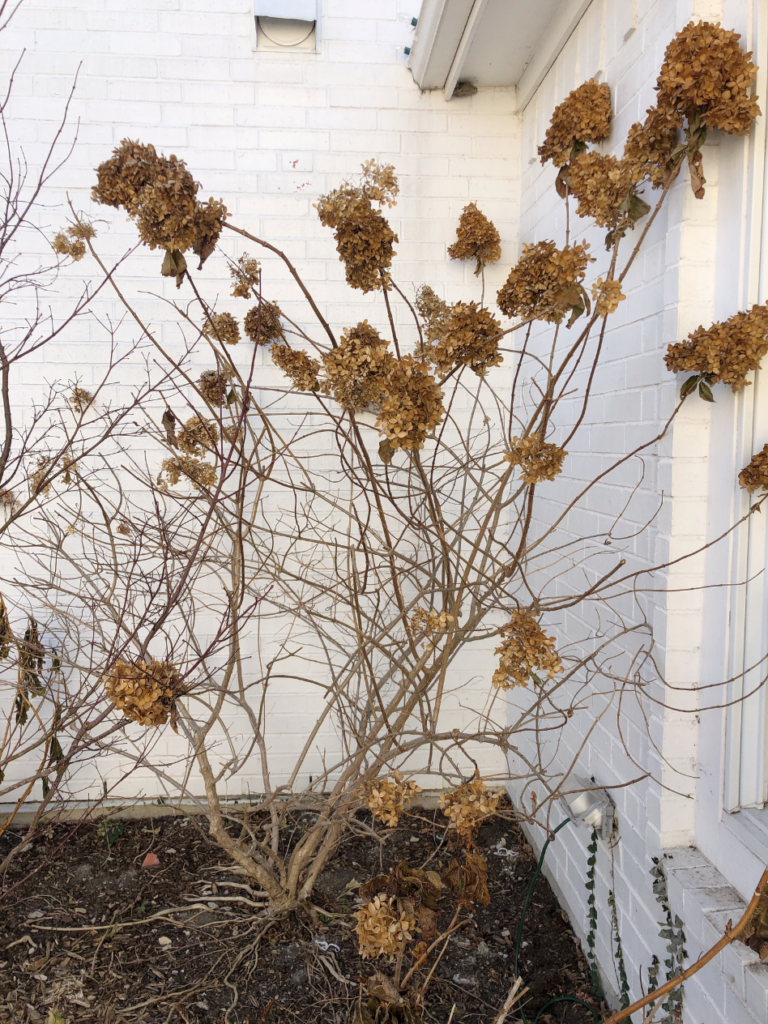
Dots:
pixel 290 10
pixel 467 38
pixel 438 36
pixel 561 30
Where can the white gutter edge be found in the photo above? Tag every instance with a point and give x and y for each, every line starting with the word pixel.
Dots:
pixel 467 37
pixel 557 36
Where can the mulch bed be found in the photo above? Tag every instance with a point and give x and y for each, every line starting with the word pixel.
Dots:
pixel 81 941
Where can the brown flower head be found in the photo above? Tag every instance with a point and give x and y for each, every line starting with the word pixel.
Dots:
pixel 601 184
pixel 468 806
pixel 544 283
pixel 754 477
pixel 383 928
pixel 476 239
pixel 607 295
pixel 470 338
pixel 387 798
pixel 583 116
pixel 263 324
pixel 432 625
pixel 72 241
pixel 301 369
pixel 525 649
pixel 434 313
pixel 707 75
pixel 538 459
pixel 725 351
pixel 357 370
pixel 199 473
pixel 649 152
pixel 222 327
pixel 80 399
pixel 198 435
pixel 412 406
pixel 213 385
pixel 144 691
pixel 245 276
pixel 160 196
pixel 364 239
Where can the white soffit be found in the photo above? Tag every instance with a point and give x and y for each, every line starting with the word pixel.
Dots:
pixel 491 42
pixel 288 10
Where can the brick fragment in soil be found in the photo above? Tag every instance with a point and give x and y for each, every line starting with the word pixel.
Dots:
pixel 75 934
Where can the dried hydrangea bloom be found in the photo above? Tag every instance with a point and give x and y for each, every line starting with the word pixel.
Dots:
pixel 301 369
pixel 607 295
pixel 72 241
pixel 649 152
pixel 364 239
pixel 144 691
pixel 754 477
pixel 476 239
pixel 470 338
pixel 222 327
pixel 213 385
pixel 432 624
pixel 525 649
pixel 387 798
pixel 357 370
pixel 468 806
pixel 601 184
pixel 383 928
pixel 469 881
pixel 583 116
pixel 412 405
pixel 263 324
pixel 160 196
pixel 541 285
pixel 725 351
pixel 707 76
pixel 198 435
pixel 8 501
pixel 199 473
pixel 538 459
pixel 36 479
pixel 80 399
pixel 245 276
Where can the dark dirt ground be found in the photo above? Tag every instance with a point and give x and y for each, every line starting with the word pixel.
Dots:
pixel 86 932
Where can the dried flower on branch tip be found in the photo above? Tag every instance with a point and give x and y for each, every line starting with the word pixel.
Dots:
pixel 213 385
pixel 434 314
pixel 263 324
pixel 199 473
pixel 538 459
pixel 387 798
pixel 80 399
pixel 601 184
pixel 144 691
pixel 412 405
pixel 357 370
pixel 8 501
pixel 471 338
pixel 198 435
pixel 382 928
pixel 468 881
pixel 476 239
pixel 160 196
pixel 707 78
pixel 432 624
pixel 525 650
pixel 583 116
pixel 650 149
pixel 364 239
pixel 36 480
pixel 725 351
pixel 72 242
pixel 301 369
pixel 222 327
pixel 545 283
pixel 245 276
pixel 468 806
pixel 754 477
pixel 607 295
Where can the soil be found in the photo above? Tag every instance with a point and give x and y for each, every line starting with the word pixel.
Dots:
pixel 89 936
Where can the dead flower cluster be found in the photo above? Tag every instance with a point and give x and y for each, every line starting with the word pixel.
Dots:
pixel 387 798
pixel 356 371
pixel 262 323
pixel 470 338
pixel 160 196
pixel 364 239
pixel 583 116
pixel 80 399
pixel 213 385
pixel 476 239
pixel 601 184
pixel 72 241
pixel 382 928
pixel 144 691
pixel 468 806
pixel 432 624
pixel 199 472
pixel 725 351
pixel 538 459
pixel 302 370
pixel 198 435
pixel 707 76
pixel 544 284
pixel 649 152
pixel 754 477
pixel 525 650
pixel 222 327
pixel 245 276
pixel 434 313
pixel 412 405
pixel 607 295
